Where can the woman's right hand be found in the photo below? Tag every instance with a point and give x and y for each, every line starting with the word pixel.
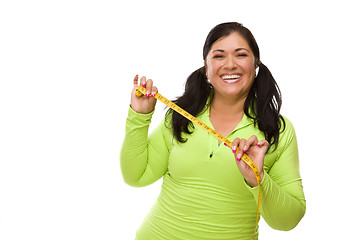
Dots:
pixel 146 103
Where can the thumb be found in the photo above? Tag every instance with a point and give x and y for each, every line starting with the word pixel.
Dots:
pixel 136 80
pixel 264 145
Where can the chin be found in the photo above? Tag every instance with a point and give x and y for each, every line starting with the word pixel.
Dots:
pixel 232 93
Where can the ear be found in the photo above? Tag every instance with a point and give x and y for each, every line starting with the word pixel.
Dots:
pixel 256 70
pixel 258 62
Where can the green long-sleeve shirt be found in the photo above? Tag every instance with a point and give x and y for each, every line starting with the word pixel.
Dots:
pixel 205 197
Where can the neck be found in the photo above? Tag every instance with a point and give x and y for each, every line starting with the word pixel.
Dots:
pixel 228 105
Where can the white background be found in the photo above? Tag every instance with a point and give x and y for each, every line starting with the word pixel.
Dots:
pixel 66 71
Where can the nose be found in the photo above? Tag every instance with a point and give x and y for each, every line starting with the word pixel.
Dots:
pixel 230 63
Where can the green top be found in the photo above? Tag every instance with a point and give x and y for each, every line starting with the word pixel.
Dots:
pixel 205 197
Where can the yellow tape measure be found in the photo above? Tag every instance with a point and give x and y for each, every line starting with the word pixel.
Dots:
pixel 142 91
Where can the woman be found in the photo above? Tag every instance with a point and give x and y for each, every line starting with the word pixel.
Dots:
pixel 208 192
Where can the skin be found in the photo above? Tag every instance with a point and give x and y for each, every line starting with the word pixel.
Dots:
pixel 146 103
pixel 230 55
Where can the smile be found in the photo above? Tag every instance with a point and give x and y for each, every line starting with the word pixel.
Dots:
pixel 231 78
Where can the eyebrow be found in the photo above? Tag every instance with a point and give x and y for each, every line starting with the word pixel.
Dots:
pixel 238 49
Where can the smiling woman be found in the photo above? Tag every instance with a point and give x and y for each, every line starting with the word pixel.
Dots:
pixel 228 64
pixel 230 68
pixel 230 48
pixel 208 192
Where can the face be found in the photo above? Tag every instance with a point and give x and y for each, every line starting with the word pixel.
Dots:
pixel 230 66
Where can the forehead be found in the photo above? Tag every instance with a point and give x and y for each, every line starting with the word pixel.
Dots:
pixel 231 42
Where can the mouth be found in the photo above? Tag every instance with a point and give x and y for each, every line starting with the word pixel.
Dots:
pixel 231 78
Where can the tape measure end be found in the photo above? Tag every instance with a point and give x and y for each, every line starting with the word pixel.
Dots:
pixel 138 93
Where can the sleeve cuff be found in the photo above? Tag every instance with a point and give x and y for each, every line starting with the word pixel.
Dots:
pixel 255 190
pixel 139 119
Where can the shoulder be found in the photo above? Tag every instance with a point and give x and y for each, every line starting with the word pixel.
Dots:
pixel 286 126
pixel 287 133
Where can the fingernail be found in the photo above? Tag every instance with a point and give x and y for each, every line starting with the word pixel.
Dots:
pixel 257 144
pixel 238 159
pixel 143 84
pixel 244 151
pixel 239 155
pixel 234 151
pixel 153 95
pixel 147 94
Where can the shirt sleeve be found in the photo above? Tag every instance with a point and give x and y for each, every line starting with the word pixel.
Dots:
pixel 283 202
pixel 143 159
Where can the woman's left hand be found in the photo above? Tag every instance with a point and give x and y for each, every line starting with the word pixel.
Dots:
pixel 256 151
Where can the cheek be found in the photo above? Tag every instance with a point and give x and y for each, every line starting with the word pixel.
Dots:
pixel 250 68
pixel 212 68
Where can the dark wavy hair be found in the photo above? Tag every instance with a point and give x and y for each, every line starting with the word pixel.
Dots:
pixel 262 104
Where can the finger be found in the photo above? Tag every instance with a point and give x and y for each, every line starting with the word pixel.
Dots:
pixel 252 141
pixel 149 85
pixel 154 91
pixel 264 145
pixel 240 150
pixel 235 145
pixel 143 81
pixel 136 79
pixel 227 145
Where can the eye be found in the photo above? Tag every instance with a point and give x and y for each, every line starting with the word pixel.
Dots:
pixel 242 55
pixel 218 56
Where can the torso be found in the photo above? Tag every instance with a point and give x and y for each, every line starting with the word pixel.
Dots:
pixel 224 124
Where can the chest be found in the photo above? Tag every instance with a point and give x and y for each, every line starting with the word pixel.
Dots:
pixel 225 124
pixel 192 162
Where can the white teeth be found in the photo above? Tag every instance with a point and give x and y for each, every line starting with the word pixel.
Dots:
pixel 230 81
pixel 227 77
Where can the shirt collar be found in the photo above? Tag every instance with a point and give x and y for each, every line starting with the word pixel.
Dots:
pixel 204 116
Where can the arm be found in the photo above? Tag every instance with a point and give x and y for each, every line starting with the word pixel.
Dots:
pixel 143 160
pixel 283 203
